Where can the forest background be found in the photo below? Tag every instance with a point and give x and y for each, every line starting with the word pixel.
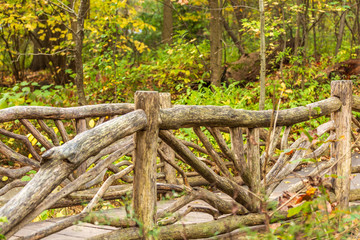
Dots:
pixel 66 53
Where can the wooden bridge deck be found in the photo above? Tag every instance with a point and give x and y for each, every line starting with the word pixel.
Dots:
pixel 87 230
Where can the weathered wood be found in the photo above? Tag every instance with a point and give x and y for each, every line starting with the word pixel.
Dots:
pixel 37 112
pixel 173 164
pixel 169 170
pixel 92 141
pixel 254 166
pixel 356 103
pixel 275 135
pixel 80 127
pixel 32 129
pixel 14 173
pixel 210 149
pixel 24 139
pixel 144 194
pixel 14 156
pixel 341 149
pixel 237 146
pixel 284 138
pixel 224 116
pixel 59 124
pixel 50 132
pixel 11 185
pixel 223 206
pixel 123 146
pixel 190 231
pixel 215 132
pixel 224 184
pixel 64 159
pixel 67 222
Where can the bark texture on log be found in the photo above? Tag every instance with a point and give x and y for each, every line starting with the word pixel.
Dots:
pixel 63 160
pixel 37 112
pixel 190 231
pixel 144 193
pixel 341 149
pixel 224 116
pixel 356 103
pixel 169 170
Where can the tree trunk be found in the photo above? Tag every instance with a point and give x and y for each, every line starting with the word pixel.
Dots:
pixel 262 56
pixel 167 22
pixel 341 30
pixel 79 37
pixel 215 42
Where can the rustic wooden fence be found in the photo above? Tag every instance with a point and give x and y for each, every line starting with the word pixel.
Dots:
pixel 142 131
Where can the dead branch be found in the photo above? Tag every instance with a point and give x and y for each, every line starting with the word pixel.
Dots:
pixel 14 173
pixel 59 124
pixel 212 153
pixel 14 156
pixel 174 165
pixel 67 222
pixel 226 185
pixel 32 129
pixel 49 131
pixel 24 139
pixel 11 185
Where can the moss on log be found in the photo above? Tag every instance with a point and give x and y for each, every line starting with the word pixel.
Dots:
pixel 224 116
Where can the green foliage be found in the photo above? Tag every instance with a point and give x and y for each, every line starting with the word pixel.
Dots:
pixel 26 93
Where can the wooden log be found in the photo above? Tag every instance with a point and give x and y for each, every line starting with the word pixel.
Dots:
pixel 64 159
pixel 356 103
pixel 169 170
pixel 224 116
pixel 237 146
pixel 144 194
pixel 32 129
pixel 67 222
pixel 62 130
pixel 14 156
pixel 341 149
pixel 253 161
pixel 14 173
pixel 36 112
pixel 224 184
pixel 191 231
pixel 24 139
pixel 50 132
pixel 212 153
pixel 80 127
pixel 121 147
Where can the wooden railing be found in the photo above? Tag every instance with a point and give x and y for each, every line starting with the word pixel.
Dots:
pixel 242 171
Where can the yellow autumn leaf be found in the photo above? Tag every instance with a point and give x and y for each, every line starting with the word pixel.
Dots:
pixel 29 156
pixel 92 123
pixel 4 178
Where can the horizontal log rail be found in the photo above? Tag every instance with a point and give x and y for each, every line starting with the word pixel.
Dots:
pixel 224 116
pixel 184 116
pixel 40 112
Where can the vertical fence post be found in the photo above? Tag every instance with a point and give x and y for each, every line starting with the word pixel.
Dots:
pixel 144 193
pixel 341 148
pixel 253 155
pixel 170 173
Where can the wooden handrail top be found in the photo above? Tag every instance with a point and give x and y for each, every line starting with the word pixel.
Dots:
pixel 184 115
pixel 224 116
pixel 43 112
